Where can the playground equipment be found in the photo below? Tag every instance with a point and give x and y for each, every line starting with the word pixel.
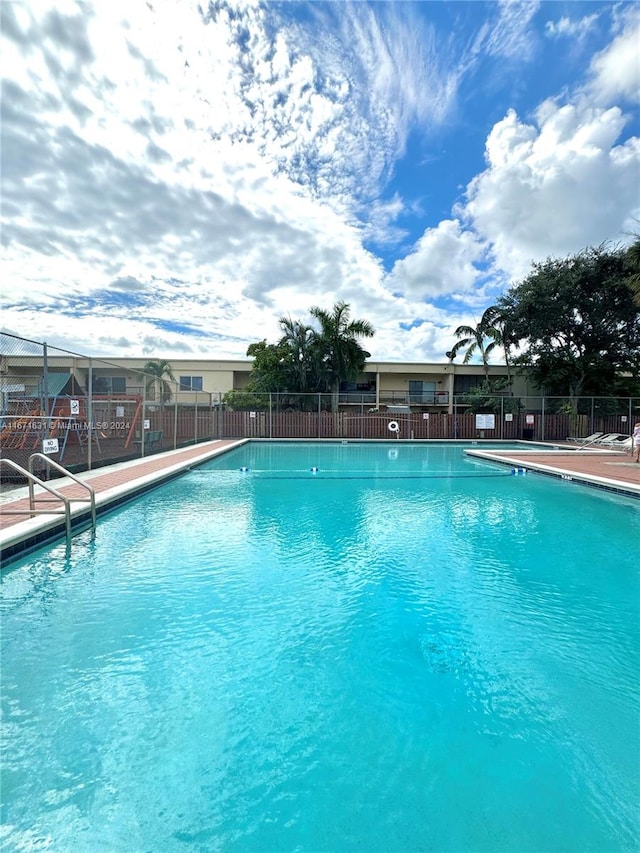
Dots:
pixel 55 410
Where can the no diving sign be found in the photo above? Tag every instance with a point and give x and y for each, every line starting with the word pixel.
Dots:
pixel 50 445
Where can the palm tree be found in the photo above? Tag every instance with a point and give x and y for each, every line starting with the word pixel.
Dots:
pixel 497 326
pixel 298 338
pixel 341 356
pixel 482 338
pixel 158 374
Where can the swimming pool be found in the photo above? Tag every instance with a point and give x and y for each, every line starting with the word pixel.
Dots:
pixel 402 650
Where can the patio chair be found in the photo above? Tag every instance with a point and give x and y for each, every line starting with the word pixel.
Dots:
pixel 587 440
pixel 605 440
pixel 617 442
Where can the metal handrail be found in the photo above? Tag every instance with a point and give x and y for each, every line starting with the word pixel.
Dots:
pixel 53 464
pixel 32 479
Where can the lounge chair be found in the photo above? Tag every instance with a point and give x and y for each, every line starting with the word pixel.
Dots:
pixel 617 441
pixel 603 439
pixel 587 440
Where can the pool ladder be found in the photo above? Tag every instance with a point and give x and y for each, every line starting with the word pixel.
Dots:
pixel 57 498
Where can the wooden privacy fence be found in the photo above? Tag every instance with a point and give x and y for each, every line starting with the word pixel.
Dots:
pixel 218 423
pixel 345 425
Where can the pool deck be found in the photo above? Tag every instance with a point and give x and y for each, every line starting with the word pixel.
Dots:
pixel 614 470
pixel 112 485
pixel 609 469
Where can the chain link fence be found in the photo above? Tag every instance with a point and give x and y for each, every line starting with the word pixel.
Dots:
pixel 87 412
pixel 549 419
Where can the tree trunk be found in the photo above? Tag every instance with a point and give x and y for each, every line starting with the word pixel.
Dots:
pixel 508 366
pixel 335 395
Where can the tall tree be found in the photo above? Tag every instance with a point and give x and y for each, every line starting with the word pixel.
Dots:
pixel 272 367
pixel 159 374
pixel 632 261
pixel 298 338
pixel 498 327
pixel 482 338
pixel 337 343
pixel 577 322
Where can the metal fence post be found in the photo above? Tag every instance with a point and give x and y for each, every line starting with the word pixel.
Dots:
pixel 142 419
pixel 175 420
pixel 45 381
pixel 89 413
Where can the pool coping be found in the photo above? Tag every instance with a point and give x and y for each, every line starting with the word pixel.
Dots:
pixel 526 461
pixel 119 485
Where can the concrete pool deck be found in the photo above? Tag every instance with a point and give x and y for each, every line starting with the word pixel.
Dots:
pixel 609 469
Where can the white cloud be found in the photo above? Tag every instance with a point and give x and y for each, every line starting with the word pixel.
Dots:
pixel 117 173
pixel 441 262
pixel 616 69
pixel 510 35
pixel 391 74
pixel 428 341
pixel 555 187
pixel 571 28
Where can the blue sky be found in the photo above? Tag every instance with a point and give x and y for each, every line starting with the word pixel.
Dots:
pixel 176 177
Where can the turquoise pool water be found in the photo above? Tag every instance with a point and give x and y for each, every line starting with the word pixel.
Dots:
pixel 406 650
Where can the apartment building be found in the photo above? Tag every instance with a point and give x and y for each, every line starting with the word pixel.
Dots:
pixel 422 385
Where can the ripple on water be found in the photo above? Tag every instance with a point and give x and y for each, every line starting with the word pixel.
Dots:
pixel 237 661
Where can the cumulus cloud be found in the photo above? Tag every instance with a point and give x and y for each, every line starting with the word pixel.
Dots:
pixel 443 261
pixel 553 184
pixel 553 187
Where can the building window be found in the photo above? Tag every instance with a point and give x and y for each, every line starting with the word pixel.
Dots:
pixel 109 385
pixel 191 383
pixel 462 384
pixel 421 392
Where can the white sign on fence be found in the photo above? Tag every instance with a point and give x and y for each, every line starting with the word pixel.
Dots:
pixel 485 421
pixel 50 445
pixel 147 424
pixel 252 414
pixel 119 411
pixel 425 416
pixel 508 417
pixel 530 419
pixel 74 407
